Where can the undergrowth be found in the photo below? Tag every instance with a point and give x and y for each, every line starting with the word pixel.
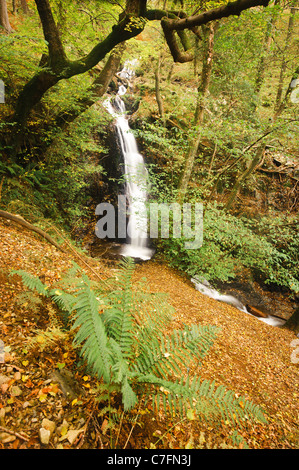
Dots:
pixel 267 246
pixel 122 333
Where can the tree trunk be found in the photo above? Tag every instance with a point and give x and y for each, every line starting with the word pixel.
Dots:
pixel 203 89
pixel 24 7
pixel 4 20
pixel 157 89
pixel 255 161
pixel 284 59
pixel 266 48
pixel 31 94
pixel 189 163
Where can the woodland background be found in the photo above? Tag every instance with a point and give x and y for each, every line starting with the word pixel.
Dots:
pixel 221 129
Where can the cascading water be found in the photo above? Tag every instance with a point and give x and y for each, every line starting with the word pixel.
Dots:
pixel 136 176
pixel 206 289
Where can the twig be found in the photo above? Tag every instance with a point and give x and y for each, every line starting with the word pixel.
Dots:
pixel 212 159
pixel 14 433
pixel 85 429
pixel 120 425
pixel 98 432
pixel 132 428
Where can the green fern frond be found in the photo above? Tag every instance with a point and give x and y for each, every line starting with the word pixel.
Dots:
pixel 129 396
pixel 169 355
pixel 180 396
pixel 32 282
pixel 91 334
pixel 64 301
pixel 120 321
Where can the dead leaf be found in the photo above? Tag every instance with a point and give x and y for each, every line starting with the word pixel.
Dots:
pixel 72 434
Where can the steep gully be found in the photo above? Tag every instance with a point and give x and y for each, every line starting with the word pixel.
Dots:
pixel 136 183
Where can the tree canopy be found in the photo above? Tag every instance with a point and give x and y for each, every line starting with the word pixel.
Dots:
pixel 132 20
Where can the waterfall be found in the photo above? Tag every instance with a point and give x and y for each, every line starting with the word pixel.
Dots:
pixel 136 176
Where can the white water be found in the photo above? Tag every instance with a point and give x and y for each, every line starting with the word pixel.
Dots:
pixel 135 174
pixel 206 289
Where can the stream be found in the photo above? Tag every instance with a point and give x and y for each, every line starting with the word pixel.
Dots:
pixel 205 288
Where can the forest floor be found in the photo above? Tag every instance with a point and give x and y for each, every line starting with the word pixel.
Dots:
pixel 248 356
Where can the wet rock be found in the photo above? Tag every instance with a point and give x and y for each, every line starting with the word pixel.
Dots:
pixel 251 293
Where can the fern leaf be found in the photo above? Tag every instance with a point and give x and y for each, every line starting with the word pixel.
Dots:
pixel 120 321
pixel 91 334
pixel 32 282
pixel 201 397
pixel 129 396
pixel 168 356
pixel 64 301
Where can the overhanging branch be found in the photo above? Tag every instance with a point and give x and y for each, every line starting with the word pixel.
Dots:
pixel 231 8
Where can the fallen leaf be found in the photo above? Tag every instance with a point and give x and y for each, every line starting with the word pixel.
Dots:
pixel 72 434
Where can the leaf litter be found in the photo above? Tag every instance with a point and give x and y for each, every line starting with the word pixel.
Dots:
pixel 47 400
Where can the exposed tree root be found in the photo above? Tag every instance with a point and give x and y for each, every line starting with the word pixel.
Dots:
pixel 18 219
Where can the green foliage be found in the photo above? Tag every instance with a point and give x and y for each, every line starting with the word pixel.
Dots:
pixel 231 243
pixel 58 184
pixel 120 332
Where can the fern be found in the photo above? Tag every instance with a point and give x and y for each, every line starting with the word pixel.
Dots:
pixel 121 335
pixel 32 282
pixel 91 332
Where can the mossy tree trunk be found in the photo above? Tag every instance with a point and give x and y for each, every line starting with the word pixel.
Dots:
pixel 203 89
